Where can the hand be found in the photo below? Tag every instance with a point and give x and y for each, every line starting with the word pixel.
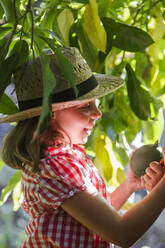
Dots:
pixel 153 175
pixel 134 182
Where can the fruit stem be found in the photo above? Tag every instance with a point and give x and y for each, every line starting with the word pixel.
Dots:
pixel 156 144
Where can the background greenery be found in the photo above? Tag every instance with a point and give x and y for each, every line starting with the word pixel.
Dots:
pixel 121 38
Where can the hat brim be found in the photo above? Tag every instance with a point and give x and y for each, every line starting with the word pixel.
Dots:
pixel 106 85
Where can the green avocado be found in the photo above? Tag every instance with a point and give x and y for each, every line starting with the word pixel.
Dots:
pixel 142 158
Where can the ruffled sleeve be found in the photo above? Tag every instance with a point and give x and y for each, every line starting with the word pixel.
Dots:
pixel 61 176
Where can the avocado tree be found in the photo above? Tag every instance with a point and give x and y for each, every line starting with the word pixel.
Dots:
pixel 121 38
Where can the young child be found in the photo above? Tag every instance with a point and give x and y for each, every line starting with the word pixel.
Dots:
pixel 68 202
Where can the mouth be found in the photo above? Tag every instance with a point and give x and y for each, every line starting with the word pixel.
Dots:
pixel 87 131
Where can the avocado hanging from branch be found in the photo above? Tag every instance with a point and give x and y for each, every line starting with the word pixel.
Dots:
pixel 143 156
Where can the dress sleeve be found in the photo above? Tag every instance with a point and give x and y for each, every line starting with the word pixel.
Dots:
pixel 61 177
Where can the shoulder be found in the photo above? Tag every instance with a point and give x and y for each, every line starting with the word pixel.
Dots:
pixel 63 159
pixel 66 152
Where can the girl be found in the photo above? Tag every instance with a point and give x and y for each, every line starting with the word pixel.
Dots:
pixel 67 200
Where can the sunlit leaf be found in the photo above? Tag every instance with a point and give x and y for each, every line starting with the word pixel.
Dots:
pixel 88 50
pixel 57 32
pixel 153 129
pixel 120 175
pixel 16 196
pixel 94 27
pixel 7 106
pixel 104 157
pixel 9 188
pixel 4 30
pixel 65 20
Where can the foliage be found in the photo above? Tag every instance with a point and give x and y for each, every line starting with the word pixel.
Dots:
pixel 122 38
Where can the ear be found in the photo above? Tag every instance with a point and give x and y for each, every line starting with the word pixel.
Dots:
pixel 54 114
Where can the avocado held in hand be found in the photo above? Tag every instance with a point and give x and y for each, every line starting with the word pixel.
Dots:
pixel 142 158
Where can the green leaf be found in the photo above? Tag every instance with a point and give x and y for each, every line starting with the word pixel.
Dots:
pixel 7 106
pixel 88 50
pixel 7 66
pixel 103 7
pixel 49 19
pixel 65 20
pixel 121 155
pixel 81 1
pixel 126 116
pixel 94 27
pixel 18 56
pixel 8 7
pixel 1 164
pixel 3 49
pixel 141 101
pixel 8 189
pixel 38 32
pixel 65 65
pixel 21 49
pixel 161 91
pixel 57 32
pixel 152 130
pixel 66 69
pixel 5 30
pixel 126 37
pixel 49 83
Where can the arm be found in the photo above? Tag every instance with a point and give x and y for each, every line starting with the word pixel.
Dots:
pixel 97 215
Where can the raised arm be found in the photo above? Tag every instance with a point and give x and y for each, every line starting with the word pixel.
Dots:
pixel 97 215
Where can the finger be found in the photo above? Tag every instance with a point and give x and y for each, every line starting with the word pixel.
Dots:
pixel 146 178
pixel 142 181
pixel 157 167
pixel 151 172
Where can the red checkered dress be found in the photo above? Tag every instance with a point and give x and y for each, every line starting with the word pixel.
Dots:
pixel 62 173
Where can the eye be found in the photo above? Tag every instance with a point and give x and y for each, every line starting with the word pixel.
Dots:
pixel 86 106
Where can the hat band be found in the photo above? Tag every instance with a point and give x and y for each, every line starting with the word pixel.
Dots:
pixel 64 96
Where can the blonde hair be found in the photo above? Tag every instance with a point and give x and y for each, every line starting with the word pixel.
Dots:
pixel 19 149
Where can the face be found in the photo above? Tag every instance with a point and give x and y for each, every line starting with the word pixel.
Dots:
pixel 78 121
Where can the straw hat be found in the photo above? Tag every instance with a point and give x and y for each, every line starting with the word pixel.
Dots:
pixel 29 86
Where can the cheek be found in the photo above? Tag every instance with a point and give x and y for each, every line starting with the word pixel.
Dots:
pixel 72 119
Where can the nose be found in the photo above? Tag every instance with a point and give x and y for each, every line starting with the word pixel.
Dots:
pixel 95 113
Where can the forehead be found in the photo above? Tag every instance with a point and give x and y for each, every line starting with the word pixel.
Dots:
pixel 96 101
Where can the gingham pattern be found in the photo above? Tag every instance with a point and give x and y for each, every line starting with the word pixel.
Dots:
pixel 62 173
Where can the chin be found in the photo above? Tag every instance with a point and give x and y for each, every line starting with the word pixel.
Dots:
pixel 80 141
